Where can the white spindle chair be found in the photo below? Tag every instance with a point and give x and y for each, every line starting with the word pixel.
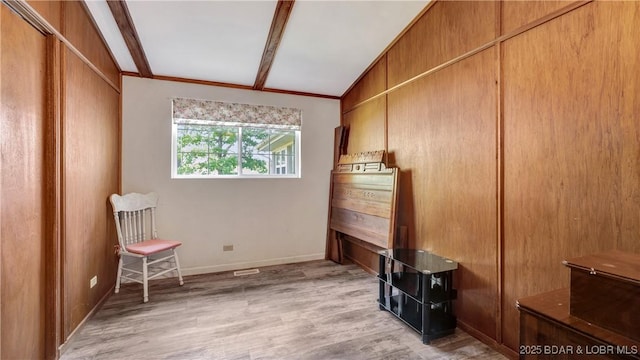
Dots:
pixel 135 218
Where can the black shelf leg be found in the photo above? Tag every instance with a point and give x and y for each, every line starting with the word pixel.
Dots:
pixel 381 299
pixel 425 283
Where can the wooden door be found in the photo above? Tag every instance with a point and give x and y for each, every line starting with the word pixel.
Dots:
pixel 23 109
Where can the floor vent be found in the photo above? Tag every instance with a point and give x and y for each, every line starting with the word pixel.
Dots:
pixel 246 272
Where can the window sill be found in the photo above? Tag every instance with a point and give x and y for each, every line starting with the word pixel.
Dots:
pixel 233 177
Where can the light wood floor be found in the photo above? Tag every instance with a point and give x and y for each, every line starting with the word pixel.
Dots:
pixel 312 310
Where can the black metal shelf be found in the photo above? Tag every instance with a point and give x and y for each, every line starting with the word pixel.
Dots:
pixel 417 287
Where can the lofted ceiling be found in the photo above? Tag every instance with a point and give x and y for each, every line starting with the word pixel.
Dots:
pixel 316 47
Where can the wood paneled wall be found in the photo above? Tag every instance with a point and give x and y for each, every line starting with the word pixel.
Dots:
pixel 22 122
pixel 446 136
pixel 447 30
pixel 66 163
pixel 518 140
pixel 79 29
pixel 566 142
pixel 372 83
pixel 90 130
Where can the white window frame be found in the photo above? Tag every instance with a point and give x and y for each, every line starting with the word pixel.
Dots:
pixel 240 175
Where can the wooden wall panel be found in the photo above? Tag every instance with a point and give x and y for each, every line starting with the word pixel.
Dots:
pixel 519 13
pixel 79 30
pixel 628 63
pixel 367 124
pixel 49 9
pixel 447 30
pixel 570 147
pixel 22 122
pixel 372 83
pixel 442 128
pixel 90 167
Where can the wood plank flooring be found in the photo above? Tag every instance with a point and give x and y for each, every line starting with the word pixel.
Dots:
pixel 312 310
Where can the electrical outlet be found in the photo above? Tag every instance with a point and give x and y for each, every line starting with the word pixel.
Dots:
pixel 227 247
pixel 93 282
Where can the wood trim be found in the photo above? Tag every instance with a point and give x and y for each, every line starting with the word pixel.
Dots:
pixel 233 86
pixel 499 189
pixel 52 201
pixel 2 136
pixel 500 39
pixel 120 140
pixel 122 16
pixel 499 174
pixel 191 81
pixel 278 24
pixel 392 44
pixel 386 113
pixel 300 93
pixel 331 245
pixel 62 233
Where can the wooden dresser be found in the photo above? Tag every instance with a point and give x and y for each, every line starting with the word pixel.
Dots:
pixel 596 318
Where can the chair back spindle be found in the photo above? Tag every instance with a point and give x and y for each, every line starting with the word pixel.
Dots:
pixel 136 215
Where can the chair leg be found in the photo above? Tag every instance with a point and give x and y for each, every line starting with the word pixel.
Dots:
pixel 175 257
pixel 119 275
pixel 145 280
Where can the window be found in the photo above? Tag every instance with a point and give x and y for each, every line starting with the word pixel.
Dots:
pixel 215 139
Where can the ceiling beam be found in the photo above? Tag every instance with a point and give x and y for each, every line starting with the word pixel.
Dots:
pixel 122 16
pixel 280 18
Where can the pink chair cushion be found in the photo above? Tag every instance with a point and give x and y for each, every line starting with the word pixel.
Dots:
pixel 152 246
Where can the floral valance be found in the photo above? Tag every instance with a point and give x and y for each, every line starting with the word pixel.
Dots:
pixel 207 112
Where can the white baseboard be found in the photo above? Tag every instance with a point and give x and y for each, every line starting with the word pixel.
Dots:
pixel 250 264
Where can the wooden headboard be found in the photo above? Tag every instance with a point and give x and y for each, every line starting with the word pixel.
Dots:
pixel 362 202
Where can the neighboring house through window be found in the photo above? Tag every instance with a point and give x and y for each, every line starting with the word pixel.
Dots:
pixel 281 148
pixel 217 139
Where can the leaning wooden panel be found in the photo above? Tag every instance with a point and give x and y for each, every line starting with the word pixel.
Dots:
pixel 365 256
pixel 376 209
pixel 372 229
pixel 369 192
pixel 363 201
pixel 364 179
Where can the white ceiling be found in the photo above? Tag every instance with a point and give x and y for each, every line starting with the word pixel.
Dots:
pixel 325 47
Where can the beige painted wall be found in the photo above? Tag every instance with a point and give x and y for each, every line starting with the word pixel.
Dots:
pixel 268 221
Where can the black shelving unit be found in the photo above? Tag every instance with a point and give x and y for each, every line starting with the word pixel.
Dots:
pixel 417 287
